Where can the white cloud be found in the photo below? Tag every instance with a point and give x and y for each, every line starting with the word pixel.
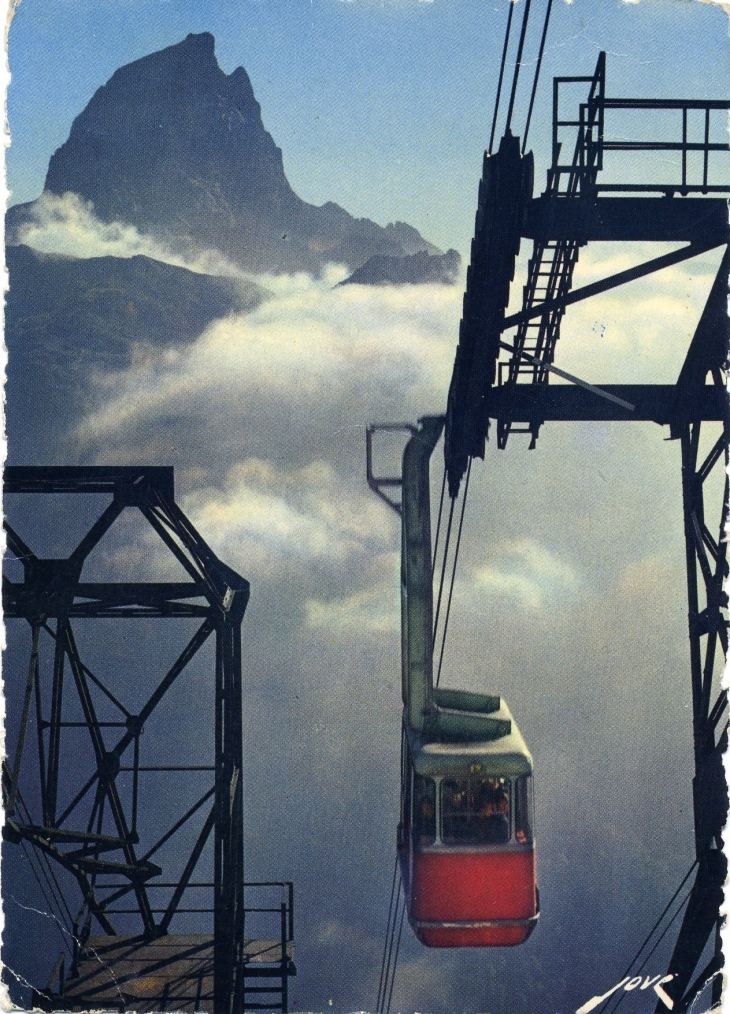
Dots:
pixel 527 572
pixel 269 519
pixel 720 3
pixel 305 367
pixel 67 225
pixel 363 611
pixel 374 609
pixel 266 413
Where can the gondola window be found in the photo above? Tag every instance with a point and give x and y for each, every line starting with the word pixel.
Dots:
pixel 424 811
pixel 523 809
pixel 475 811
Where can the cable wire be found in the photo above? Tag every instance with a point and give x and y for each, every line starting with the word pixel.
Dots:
pixel 395 959
pixel 58 895
pixel 391 961
pixel 387 937
pixel 443 574
pixel 518 61
pixel 661 937
pixel 453 572
pixel 537 73
pixel 58 923
pixel 57 919
pixel 653 930
pixel 438 525
pixel 501 73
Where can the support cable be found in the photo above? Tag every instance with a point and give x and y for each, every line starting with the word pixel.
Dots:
pixel 661 937
pixel 62 903
pixel 518 61
pixel 57 895
pixel 453 572
pixel 50 909
pixel 567 376
pixel 443 574
pixel 381 983
pixel 501 74
pixel 389 973
pixel 395 959
pixel 653 930
pixel 537 73
pixel 438 525
pixel 60 926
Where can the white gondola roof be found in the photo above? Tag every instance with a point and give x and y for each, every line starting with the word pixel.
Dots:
pixel 506 755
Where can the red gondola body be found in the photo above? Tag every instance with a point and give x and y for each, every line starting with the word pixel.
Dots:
pixel 472 899
pixel 469 882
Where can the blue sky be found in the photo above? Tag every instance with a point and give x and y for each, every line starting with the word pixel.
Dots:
pixel 381 105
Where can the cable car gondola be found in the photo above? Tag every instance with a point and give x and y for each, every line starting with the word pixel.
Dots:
pixel 465 839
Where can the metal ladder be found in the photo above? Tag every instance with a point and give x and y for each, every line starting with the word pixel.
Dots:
pixel 550 268
pixel 270 959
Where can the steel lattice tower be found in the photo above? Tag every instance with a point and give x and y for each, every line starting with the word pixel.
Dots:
pixel 78 806
pixel 580 206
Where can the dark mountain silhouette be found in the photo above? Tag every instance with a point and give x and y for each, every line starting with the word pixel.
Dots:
pixel 177 147
pixel 416 269
pixel 67 319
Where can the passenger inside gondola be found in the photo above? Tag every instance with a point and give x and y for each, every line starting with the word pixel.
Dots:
pixel 475 811
pixel 523 829
pixel 424 812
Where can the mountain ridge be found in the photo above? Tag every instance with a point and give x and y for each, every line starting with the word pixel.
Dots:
pixel 68 319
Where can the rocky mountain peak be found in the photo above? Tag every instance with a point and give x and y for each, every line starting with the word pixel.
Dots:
pixel 170 129
pixel 176 147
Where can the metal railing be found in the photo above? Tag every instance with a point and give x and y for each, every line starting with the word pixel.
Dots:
pixel 285 908
pixel 594 139
pixel 588 150
pixel 279 969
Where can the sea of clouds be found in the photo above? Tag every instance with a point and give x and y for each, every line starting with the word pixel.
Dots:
pixel 568 600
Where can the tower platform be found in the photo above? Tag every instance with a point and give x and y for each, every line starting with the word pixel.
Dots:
pixel 174 973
